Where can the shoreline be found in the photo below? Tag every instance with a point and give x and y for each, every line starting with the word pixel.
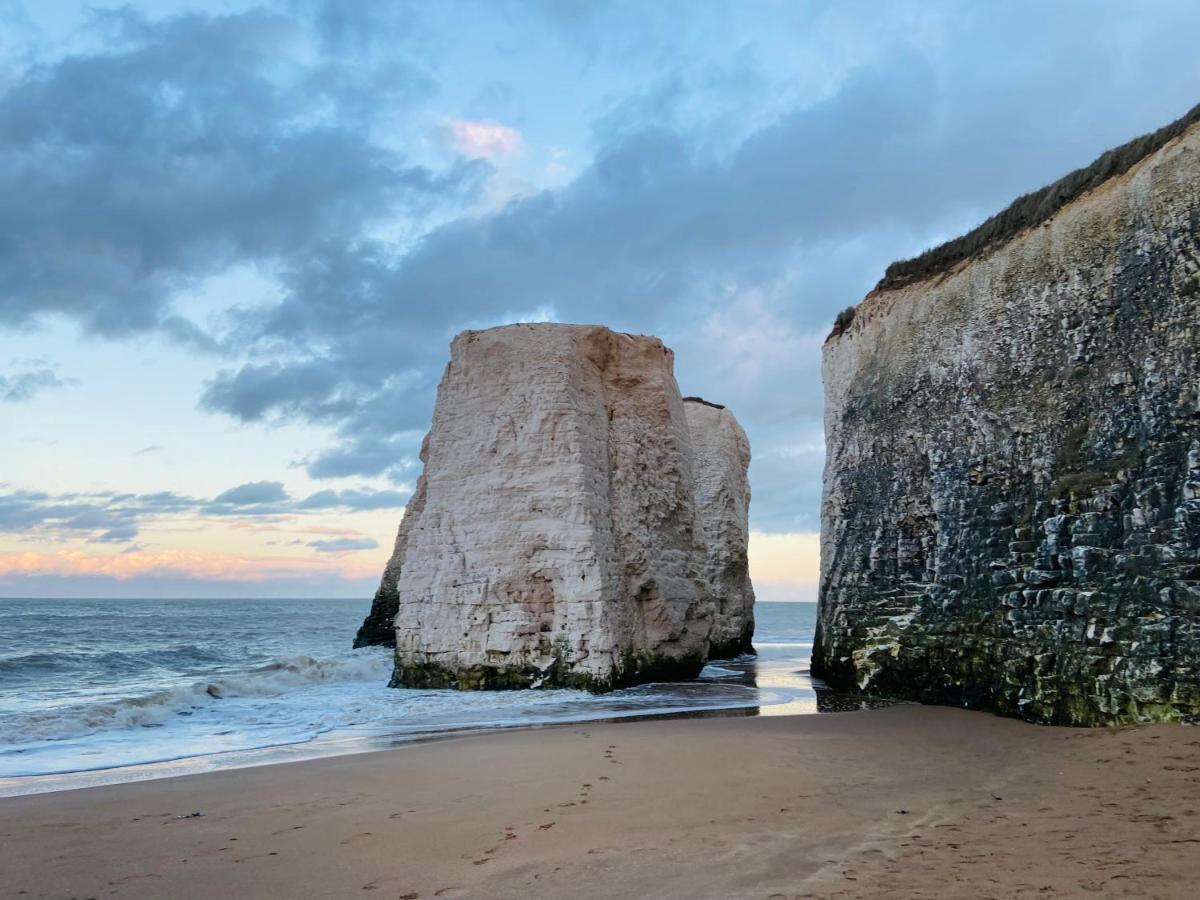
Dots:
pixel 827 702
pixel 312 750
pixel 167 705
pixel 904 801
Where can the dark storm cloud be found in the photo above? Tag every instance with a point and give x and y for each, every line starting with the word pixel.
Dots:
pixel 186 146
pixel 106 517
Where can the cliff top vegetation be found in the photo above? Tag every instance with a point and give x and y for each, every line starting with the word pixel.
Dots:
pixel 1033 208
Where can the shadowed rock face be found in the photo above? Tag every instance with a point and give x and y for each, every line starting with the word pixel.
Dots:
pixel 1011 512
pixel 379 627
pixel 721 458
pixel 554 538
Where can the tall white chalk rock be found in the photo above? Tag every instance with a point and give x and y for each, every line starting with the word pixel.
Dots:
pixel 721 458
pixel 557 538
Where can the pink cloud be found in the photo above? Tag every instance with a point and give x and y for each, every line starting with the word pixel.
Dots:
pixel 190 564
pixel 483 139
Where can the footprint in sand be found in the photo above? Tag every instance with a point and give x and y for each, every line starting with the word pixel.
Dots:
pixel 355 837
pixel 126 878
pixel 242 859
pixel 488 855
pixel 547 826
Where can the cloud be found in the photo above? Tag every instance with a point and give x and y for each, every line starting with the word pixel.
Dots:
pixel 483 139
pixel 253 493
pixel 344 545
pixel 22 386
pixel 355 500
pixel 31 574
pixel 182 583
pixel 738 251
pixel 88 516
pixel 112 518
pixel 185 146
pixel 120 535
pixel 731 204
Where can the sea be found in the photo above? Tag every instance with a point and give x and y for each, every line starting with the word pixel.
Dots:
pixel 104 691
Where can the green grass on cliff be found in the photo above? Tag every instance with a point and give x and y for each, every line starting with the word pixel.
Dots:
pixel 1035 208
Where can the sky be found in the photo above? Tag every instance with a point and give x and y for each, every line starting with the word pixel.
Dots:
pixel 236 239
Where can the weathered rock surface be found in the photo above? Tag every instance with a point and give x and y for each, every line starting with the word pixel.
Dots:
pixel 1011 512
pixel 379 627
pixel 721 459
pixel 555 538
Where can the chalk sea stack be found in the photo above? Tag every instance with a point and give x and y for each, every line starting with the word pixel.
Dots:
pixel 1011 510
pixel 721 458
pixel 556 537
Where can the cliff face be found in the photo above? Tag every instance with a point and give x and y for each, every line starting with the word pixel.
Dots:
pixel 1011 512
pixel 379 627
pixel 721 459
pixel 554 538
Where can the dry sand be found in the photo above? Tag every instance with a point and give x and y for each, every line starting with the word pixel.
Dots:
pixel 900 802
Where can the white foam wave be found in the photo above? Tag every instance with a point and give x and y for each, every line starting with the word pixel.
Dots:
pixel 76 720
pixel 712 670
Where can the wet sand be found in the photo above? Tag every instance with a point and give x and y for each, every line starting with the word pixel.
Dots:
pixel 900 802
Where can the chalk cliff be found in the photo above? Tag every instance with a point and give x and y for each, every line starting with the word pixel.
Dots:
pixel 555 537
pixel 1011 511
pixel 379 627
pixel 721 459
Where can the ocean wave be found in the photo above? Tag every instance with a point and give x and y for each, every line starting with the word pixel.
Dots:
pixel 30 663
pixel 156 708
pixel 108 662
pixel 712 670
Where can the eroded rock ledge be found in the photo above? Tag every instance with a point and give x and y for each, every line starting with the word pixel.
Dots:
pixel 1011 512
pixel 576 524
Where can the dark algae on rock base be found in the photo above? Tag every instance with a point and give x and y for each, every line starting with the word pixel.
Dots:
pixel 1011 510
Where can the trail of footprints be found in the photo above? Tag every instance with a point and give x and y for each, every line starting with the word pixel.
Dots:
pixel 481 857
pixel 582 799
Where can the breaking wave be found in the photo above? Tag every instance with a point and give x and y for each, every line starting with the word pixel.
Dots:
pixel 157 707
pixel 111 687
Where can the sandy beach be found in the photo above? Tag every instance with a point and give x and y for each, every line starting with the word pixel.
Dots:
pixel 899 802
